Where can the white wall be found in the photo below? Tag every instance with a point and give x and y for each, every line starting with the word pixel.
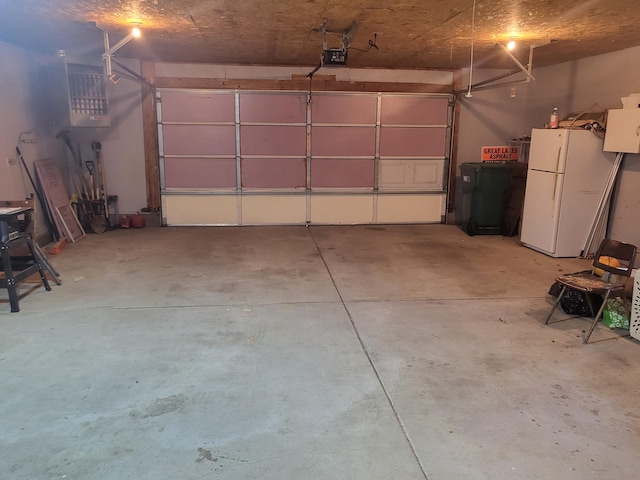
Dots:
pixel 123 143
pixel 23 108
pixel 491 116
pixel 604 80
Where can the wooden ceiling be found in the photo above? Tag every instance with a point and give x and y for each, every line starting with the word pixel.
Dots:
pixel 422 34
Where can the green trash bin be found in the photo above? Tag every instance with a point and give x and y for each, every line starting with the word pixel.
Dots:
pixel 484 188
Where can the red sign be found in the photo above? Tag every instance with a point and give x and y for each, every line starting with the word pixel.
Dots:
pixel 500 153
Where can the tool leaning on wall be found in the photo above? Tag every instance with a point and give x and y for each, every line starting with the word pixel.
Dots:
pixel 91 199
pixel 101 192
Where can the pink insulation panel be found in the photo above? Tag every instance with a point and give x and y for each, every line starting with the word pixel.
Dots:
pixel 273 140
pixel 273 172
pixel 273 108
pixel 183 106
pixel 414 142
pixel 349 109
pixel 343 141
pixel 199 139
pixel 200 172
pixel 413 111
pixel 330 172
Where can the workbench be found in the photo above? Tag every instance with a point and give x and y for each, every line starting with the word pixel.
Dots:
pixel 13 225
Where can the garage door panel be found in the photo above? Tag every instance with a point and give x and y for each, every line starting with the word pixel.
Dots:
pixel 273 140
pixel 403 174
pixel 342 209
pixel 200 210
pixel 342 141
pixel 273 108
pixel 409 110
pixel 274 172
pixel 200 172
pixel 419 142
pixel 352 172
pixel 274 209
pixel 199 140
pixel 344 109
pixel 183 106
pixel 410 208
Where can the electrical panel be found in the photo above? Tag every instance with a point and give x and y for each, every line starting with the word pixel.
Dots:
pixel 79 95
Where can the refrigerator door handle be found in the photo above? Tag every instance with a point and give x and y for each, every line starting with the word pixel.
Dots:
pixel 558 159
pixel 555 187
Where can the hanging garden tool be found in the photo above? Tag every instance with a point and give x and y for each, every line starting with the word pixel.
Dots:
pixel 92 186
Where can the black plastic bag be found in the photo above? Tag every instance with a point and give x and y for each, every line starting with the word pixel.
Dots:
pixel 574 302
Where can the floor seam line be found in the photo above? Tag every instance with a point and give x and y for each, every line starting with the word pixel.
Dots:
pixel 373 367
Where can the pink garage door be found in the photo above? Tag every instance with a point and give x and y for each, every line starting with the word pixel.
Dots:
pixel 413 142
pixel 343 141
pixel 343 109
pixel 273 172
pixel 199 137
pixel 199 140
pixel 421 126
pixel 413 110
pixel 198 107
pixel 200 172
pixel 273 140
pixel 332 172
pixel 273 108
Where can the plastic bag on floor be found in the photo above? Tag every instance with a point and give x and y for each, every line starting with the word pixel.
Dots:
pixel 615 314
pixel 574 302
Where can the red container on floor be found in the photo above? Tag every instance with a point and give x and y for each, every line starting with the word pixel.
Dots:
pixel 137 221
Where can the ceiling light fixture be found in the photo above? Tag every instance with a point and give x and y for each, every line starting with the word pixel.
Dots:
pixel 109 51
pixel 511 45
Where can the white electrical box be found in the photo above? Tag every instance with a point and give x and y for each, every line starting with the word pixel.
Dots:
pixel 623 131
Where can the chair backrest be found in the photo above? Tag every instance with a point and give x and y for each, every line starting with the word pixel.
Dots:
pixel 625 253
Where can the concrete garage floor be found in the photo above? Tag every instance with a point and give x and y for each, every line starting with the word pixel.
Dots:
pixel 401 352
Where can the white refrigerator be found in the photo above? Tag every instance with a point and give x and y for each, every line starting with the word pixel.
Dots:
pixel 566 177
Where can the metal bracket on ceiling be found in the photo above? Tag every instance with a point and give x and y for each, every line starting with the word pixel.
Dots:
pixel 488 84
pixel 345 40
pixel 526 69
pixel 109 51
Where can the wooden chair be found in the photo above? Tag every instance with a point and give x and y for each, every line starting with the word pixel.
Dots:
pixel 610 284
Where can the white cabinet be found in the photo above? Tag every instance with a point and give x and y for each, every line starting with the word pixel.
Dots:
pixel 623 131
